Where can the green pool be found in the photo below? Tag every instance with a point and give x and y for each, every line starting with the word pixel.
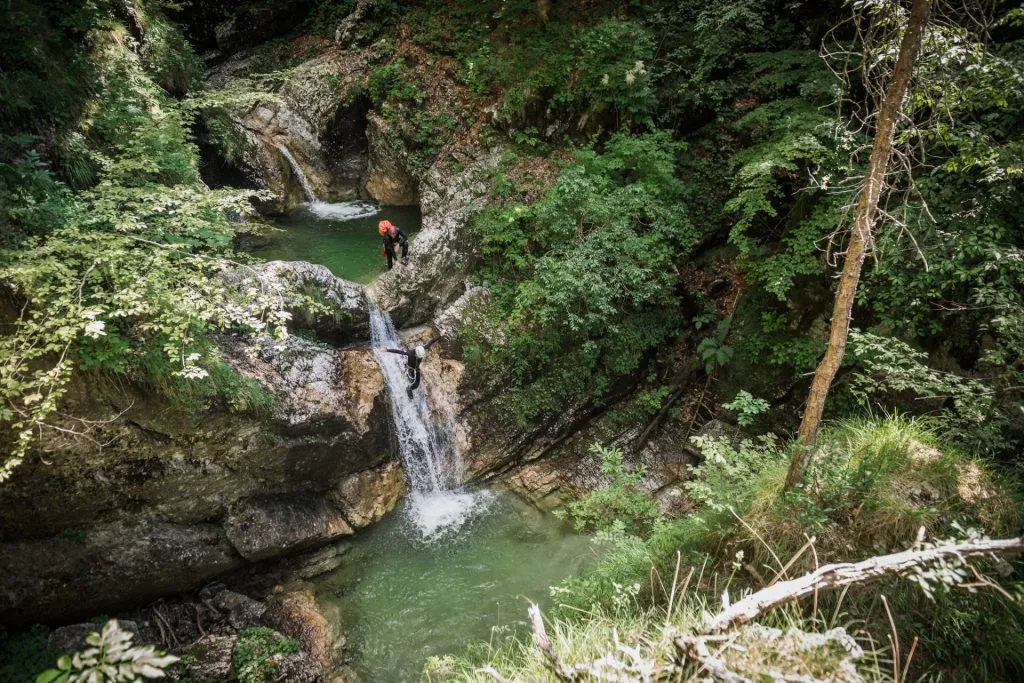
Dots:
pixel 342 236
pixel 405 596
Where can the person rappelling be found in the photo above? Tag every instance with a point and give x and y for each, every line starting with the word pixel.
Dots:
pixel 392 236
pixel 413 357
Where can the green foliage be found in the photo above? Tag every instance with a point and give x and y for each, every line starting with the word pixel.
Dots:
pixel 746 408
pixel 253 653
pixel 582 278
pixel 729 475
pixel 24 654
pixel 394 82
pixel 104 276
pixel 713 350
pixel 110 657
pixel 619 503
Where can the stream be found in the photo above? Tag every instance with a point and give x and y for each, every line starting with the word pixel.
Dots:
pixel 342 236
pixel 405 598
pixel 451 566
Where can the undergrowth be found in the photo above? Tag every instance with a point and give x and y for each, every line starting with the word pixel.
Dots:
pixel 873 486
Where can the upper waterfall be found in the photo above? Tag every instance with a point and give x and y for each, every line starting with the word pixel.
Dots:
pixel 307 189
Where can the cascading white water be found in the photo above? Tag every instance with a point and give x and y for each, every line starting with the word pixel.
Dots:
pixel 432 466
pixel 338 211
pixel 307 189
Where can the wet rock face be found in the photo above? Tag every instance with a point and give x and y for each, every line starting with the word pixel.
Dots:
pixel 295 612
pixel 319 115
pixel 388 179
pixel 159 500
pixel 365 497
pixel 444 251
pixel 118 564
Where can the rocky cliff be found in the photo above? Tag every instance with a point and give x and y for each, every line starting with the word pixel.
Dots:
pixel 146 499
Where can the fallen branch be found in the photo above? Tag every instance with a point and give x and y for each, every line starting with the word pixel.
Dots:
pixel 493 673
pixel 846 573
pixel 543 643
pixel 696 649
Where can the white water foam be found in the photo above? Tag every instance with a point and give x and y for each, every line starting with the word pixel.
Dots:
pixel 441 513
pixel 343 211
pixel 432 466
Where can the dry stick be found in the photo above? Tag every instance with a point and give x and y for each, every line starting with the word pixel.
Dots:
pixel 910 656
pixel 543 643
pixel 695 648
pixel 492 672
pixel 894 638
pixel 845 573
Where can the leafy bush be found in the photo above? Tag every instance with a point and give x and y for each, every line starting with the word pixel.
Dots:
pixel 24 654
pixel 133 263
pixel 618 503
pixel 111 657
pixel 582 279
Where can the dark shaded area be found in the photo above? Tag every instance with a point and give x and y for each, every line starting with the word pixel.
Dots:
pixel 345 145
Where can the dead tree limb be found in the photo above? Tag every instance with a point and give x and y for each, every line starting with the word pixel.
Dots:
pixel 543 643
pixel 493 673
pixel 695 648
pixel 846 573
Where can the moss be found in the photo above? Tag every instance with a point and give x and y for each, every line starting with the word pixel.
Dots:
pixel 254 652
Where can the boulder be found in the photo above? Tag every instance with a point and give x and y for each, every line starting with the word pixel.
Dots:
pixel 365 497
pixel 70 639
pixel 294 611
pixel 240 610
pixel 210 658
pixel 264 528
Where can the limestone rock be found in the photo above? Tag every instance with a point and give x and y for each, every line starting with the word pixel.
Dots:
pixel 443 252
pixel 109 567
pixel 70 639
pixel 211 658
pixel 268 527
pixel 389 181
pixel 318 562
pixel 318 117
pixel 348 319
pixel 365 497
pixel 296 613
pixel 241 610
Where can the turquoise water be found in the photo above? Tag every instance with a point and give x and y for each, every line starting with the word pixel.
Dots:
pixel 341 236
pixel 404 599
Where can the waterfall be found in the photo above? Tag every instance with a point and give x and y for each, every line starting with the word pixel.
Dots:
pixel 432 466
pixel 339 211
pixel 307 189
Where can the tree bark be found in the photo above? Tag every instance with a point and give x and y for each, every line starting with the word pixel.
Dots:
pixel 865 215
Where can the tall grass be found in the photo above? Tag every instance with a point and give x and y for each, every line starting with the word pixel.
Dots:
pixel 873 484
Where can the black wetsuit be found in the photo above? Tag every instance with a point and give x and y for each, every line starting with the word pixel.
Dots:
pixel 412 368
pixel 400 239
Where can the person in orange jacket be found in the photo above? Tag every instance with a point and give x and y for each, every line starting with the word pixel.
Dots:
pixel 392 236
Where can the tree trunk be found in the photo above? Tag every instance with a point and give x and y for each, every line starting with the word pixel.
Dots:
pixel 865 216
